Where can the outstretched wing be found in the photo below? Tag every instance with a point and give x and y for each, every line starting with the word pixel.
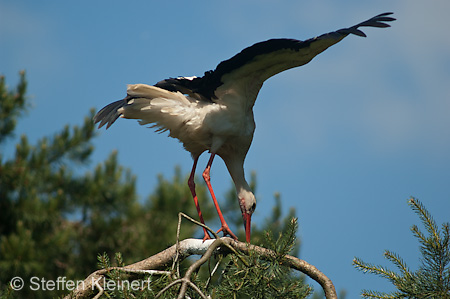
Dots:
pixel 246 71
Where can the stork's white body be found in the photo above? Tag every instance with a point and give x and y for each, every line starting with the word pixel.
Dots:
pixel 197 124
pixel 215 112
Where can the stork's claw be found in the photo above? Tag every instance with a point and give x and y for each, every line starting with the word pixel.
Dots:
pixel 206 237
pixel 226 231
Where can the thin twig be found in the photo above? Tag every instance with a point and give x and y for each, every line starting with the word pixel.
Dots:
pixel 211 273
pixel 200 224
pixel 195 287
pixel 175 261
pixel 168 287
pixel 100 291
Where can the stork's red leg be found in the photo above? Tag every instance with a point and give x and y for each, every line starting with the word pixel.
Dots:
pixel 225 229
pixel 191 185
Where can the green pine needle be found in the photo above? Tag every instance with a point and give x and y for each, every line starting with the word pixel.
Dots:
pixel 432 279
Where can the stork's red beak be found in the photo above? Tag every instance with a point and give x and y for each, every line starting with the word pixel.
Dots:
pixel 247 225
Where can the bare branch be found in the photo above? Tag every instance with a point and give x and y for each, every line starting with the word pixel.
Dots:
pixel 139 271
pixel 206 248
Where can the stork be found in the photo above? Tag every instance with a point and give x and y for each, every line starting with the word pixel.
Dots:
pixel 215 112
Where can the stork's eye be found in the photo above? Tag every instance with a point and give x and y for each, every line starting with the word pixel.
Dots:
pixel 253 207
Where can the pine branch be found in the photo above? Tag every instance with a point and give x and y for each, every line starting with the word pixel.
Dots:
pixel 379 295
pixel 432 279
pixel 12 104
pixel 378 269
pixel 398 261
pixel 190 247
pixel 425 217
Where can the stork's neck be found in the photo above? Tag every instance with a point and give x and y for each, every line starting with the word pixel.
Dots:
pixel 236 170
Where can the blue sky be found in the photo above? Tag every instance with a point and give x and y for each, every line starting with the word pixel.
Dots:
pixel 345 139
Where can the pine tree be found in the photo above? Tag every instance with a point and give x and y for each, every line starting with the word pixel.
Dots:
pixel 432 279
pixel 47 205
pixel 55 219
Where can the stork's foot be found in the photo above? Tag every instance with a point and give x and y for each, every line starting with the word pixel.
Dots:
pixel 227 231
pixel 206 237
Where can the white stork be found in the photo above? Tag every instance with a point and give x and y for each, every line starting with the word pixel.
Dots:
pixel 214 112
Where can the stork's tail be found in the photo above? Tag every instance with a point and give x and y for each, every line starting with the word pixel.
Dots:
pixel 376 21
pixel 149 104
pixel 109 114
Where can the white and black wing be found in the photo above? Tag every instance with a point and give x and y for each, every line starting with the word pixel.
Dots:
pixel 255 64
pixel 245 72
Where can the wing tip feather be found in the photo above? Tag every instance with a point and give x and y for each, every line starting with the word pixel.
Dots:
pixel 376 21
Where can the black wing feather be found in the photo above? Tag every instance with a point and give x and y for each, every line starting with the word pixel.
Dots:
pixel 203 88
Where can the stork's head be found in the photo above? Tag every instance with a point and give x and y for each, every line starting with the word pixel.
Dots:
pixel 247 203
